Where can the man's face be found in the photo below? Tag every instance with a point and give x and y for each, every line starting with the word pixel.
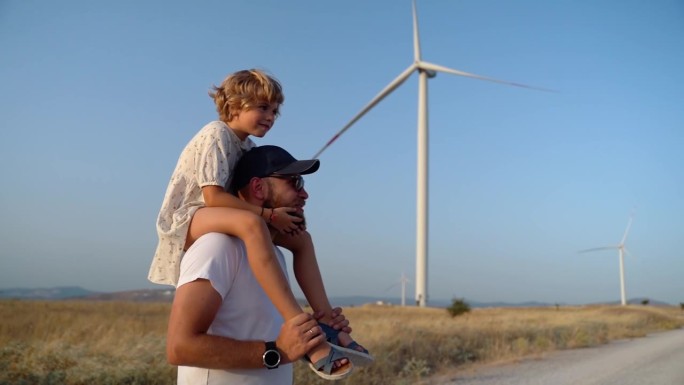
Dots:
pixel 282 192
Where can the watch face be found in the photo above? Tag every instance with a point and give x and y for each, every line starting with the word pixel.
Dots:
pixel 271 359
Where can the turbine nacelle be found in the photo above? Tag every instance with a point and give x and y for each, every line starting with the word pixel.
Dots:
pixel 430 73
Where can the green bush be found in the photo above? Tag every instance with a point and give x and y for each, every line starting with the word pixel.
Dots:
pixel 458 306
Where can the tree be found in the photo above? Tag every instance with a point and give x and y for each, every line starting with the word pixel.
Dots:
pixel 645 301
pixel 458 306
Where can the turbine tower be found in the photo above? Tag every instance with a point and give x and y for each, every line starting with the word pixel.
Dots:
pixel 621 254
pixel 425 70
pixel 403 281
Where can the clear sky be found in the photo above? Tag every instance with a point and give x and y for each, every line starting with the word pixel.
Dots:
pixel 97 99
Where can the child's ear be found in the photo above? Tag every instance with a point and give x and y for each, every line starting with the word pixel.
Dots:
pixel 233 113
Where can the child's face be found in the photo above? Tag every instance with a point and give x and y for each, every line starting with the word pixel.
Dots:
pixel 256 121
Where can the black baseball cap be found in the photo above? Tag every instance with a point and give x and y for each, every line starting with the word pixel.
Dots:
pixel 262 161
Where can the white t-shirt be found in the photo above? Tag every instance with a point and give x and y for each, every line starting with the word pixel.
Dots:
pixel 207 160
pixel 245 314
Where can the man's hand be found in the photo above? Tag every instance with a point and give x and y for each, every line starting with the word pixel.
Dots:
pixel 298 336
pixel 294 241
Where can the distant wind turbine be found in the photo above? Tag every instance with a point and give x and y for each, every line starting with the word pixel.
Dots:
pixel 403 281
pixel 425 70
pixel 621 253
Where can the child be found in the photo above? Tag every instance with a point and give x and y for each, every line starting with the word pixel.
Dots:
pixel 197 203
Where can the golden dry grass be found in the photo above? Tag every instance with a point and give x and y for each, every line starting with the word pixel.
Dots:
pixel 75 342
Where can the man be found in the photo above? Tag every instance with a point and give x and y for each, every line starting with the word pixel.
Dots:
pixel 223 329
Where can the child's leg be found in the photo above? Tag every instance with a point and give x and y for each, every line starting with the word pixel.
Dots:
pixel 308 274
pixel 262 259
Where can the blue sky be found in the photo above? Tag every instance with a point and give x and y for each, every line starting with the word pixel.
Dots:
pixel 98 99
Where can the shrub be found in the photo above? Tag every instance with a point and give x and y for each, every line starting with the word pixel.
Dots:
pixel 458 306
pixel 645 302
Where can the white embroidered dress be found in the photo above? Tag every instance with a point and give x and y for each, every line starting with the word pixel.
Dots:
pixel 207 160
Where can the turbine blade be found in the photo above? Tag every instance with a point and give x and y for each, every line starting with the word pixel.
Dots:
pixel 599 248
pixel 434 67
pixel 628 253
pixel 416 40
pixel 392 286
pixel 629 224
pixel 386 91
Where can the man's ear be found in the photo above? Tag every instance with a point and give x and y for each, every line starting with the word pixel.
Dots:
pixel 258 188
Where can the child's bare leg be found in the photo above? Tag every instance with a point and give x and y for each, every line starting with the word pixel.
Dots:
pixel 252 230
pixel 308 274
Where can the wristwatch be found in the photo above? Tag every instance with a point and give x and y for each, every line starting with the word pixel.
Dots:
pixel 271 357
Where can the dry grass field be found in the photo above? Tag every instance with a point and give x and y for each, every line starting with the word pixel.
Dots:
pixel 77 342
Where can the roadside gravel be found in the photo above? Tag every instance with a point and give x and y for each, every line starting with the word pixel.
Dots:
pixel 657 359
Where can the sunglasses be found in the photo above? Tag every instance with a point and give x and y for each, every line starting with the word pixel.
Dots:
pixel 297 180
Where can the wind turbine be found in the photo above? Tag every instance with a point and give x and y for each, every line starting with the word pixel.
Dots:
pixel 621 253
pixel 403 281
pixel 425 70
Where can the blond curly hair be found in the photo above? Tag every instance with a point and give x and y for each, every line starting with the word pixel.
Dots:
pixel 243 90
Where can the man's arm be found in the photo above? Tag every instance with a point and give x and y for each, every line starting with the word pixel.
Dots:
pixel 194 307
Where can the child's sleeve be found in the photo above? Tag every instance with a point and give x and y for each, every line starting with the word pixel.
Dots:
pixel 213 166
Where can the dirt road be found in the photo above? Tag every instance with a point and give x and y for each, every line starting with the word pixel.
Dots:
pixel 657 359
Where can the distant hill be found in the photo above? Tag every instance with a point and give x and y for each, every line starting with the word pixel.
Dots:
pixel 143 295
pixel 49 293
pixel 635 301
pixel 75 292
pixel 166 295
pixel 361 300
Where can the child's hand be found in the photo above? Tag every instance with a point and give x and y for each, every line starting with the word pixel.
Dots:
pixel 282 220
